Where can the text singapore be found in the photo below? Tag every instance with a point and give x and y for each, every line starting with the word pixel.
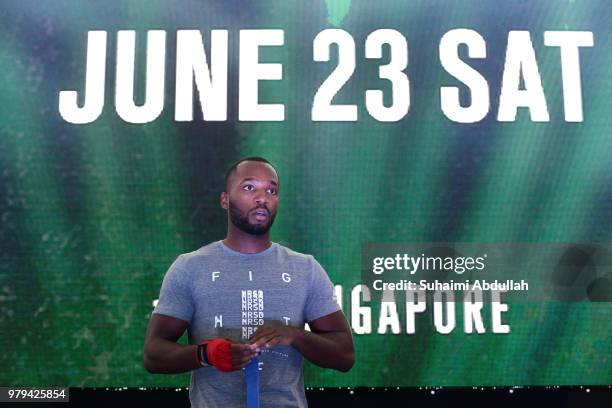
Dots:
pixel 442 304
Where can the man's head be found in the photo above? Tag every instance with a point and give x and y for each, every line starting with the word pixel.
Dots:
pixel 251 195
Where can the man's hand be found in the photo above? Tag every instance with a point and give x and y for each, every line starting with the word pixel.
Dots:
pixel 242 354
pixel 268 336
pixel 227 355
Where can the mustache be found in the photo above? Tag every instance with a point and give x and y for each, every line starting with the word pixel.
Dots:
pixel 261 207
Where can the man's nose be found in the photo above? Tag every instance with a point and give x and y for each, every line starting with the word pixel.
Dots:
pixel 260 197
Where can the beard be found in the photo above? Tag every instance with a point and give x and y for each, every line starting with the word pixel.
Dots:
pixel 241 221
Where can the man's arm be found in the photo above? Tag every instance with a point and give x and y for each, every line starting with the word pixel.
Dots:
pixel 329 344
pixel 162 353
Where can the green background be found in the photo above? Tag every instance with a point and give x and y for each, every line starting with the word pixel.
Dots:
pixel 92 215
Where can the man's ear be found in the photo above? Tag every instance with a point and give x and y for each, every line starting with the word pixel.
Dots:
pixel 224 200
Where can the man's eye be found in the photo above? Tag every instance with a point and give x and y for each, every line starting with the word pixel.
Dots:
pixel 248 187
pixel 272 191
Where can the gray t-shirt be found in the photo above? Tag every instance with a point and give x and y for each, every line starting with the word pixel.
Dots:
pixel 228 294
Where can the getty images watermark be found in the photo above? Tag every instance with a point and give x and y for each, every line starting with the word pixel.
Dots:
pixel 423 265
pixel 523 272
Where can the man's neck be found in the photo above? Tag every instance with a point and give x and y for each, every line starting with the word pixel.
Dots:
pixel 240 241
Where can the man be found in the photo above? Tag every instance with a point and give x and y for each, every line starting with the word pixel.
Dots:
pixel 247 298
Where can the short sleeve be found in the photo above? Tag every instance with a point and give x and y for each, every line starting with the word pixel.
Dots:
pixel 175 297
pixel 321 299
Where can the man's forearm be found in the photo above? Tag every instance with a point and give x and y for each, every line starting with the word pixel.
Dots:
pixel 329 350
pixel 168 357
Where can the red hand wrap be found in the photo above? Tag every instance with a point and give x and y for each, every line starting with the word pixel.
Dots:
pixel 219 354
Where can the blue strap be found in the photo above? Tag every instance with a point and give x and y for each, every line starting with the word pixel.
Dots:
pixel 252 383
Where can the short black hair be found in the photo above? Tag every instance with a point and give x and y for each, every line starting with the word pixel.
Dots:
pixel 229 172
